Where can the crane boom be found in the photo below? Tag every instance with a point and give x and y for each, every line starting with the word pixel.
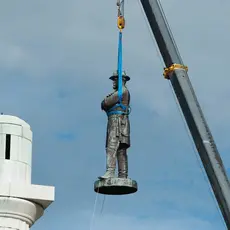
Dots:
pixel 176 72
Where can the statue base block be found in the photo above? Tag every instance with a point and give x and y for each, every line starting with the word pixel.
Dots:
pixel 115 186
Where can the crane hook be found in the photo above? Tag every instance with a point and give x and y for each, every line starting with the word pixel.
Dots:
pixel 121 19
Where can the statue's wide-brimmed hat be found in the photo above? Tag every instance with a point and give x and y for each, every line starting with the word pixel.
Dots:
pixel 115 76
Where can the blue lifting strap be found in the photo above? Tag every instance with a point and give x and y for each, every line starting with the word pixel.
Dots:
pixel 119 67
pixel 119 70
pixel 113 111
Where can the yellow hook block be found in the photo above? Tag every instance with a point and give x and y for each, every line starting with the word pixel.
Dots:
pixel 121 22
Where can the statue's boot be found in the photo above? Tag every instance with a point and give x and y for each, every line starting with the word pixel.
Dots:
pixel 122 163
pixel 110 165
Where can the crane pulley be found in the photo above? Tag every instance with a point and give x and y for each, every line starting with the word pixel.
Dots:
pixel 120 15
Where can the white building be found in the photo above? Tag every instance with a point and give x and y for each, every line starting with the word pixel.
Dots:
pixel 21 203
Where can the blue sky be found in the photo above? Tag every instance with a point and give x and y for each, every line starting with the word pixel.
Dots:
pixel 55 61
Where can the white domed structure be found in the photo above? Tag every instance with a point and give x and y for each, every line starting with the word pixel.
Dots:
pixel 21 203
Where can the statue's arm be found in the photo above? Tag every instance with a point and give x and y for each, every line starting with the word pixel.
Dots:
pixel 110 100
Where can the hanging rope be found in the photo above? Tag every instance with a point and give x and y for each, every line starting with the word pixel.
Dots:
pixel 103 204
pixel 94 210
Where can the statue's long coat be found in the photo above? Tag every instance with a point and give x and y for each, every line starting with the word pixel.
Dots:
pixel 118 126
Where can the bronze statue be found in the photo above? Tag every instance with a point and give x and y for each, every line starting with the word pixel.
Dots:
pixel 118 129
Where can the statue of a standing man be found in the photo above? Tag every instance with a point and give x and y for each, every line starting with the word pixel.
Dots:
pixel 118 129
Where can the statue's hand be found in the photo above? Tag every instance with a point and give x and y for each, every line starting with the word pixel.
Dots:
pixel 109 94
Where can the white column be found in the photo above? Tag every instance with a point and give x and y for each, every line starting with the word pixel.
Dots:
pixel 21 203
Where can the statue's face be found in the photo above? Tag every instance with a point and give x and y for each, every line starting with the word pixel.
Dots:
pixel 115 84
